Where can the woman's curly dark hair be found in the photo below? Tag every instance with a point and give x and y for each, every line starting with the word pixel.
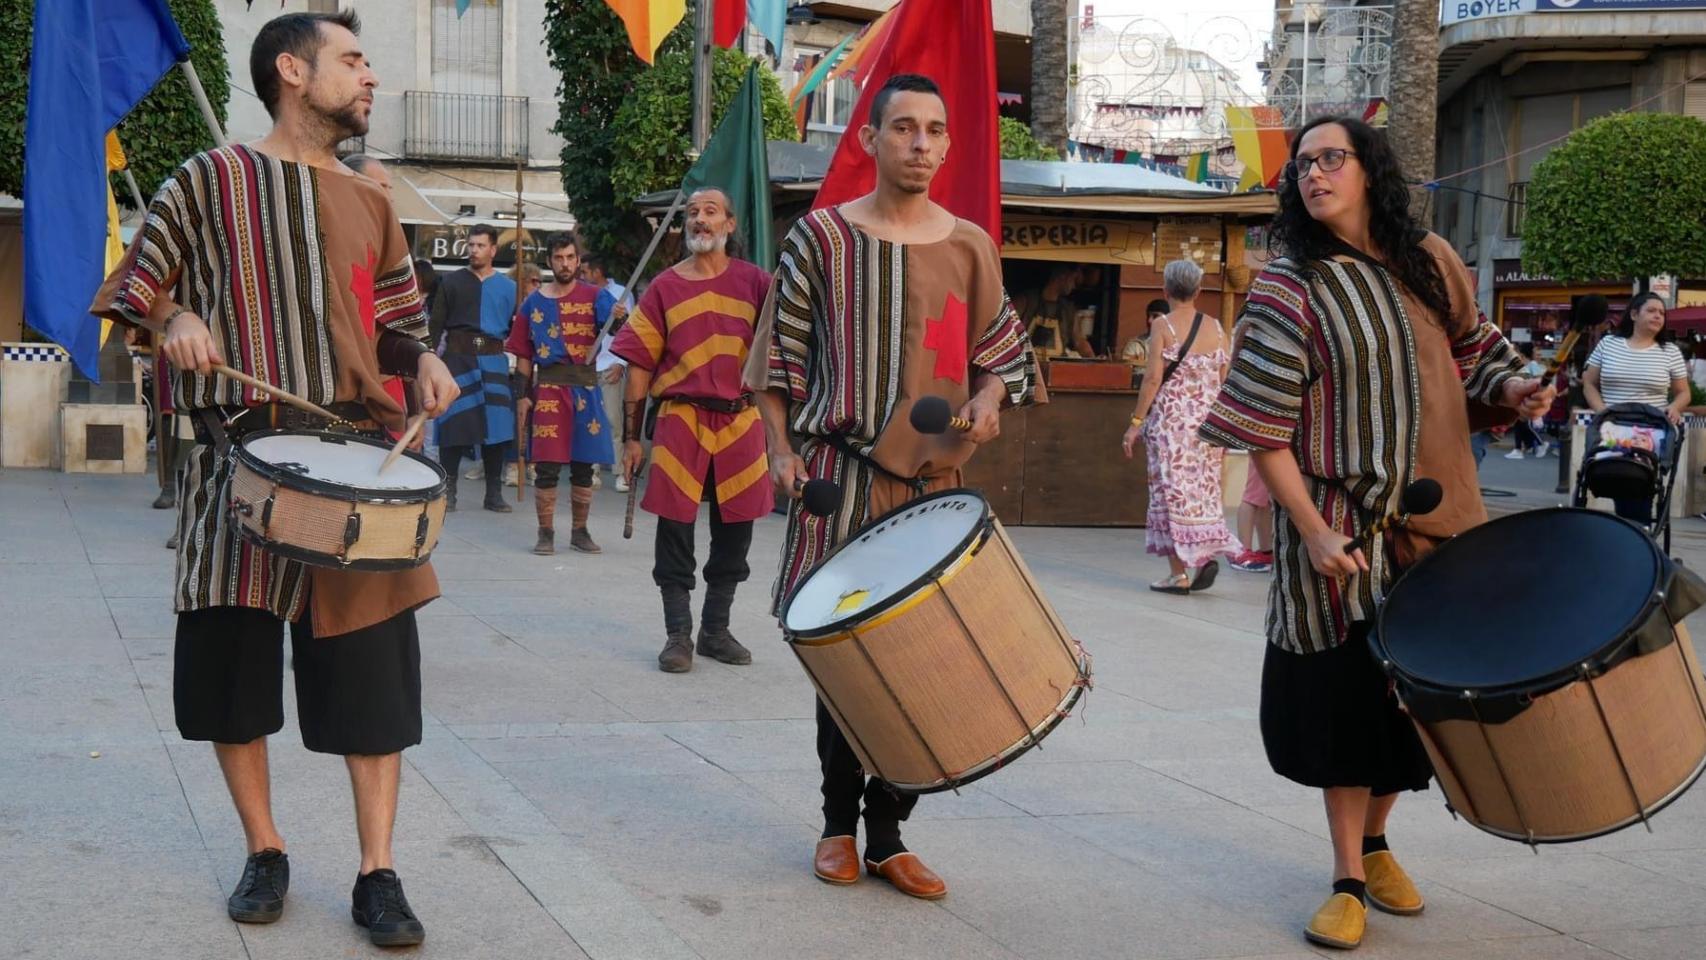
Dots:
pixel 1301 237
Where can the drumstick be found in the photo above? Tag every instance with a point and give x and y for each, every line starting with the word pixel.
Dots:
pixel 633 495
pixel 275 392
pixel 409 432
pixel 930 415
pixel 1419 497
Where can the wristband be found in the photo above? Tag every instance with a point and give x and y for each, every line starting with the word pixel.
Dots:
pixel 175 314
pixel 633 421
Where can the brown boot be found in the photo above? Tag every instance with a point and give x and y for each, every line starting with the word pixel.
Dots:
pixel 580 504
pixel 715 640
pixel 545 504
pixel 677 655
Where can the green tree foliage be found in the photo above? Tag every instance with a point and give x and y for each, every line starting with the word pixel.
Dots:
pixel 164 130
pixel 653 128
pixel 589 48
pixel 1623 198
pixel 1018 143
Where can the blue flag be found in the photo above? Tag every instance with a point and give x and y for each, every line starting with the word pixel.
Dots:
pixel 88 69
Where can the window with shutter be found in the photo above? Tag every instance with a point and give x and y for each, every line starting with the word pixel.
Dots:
pixel 1694 100
pixel 467 50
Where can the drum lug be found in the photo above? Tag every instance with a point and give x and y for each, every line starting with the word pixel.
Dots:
pixel 266 512
pixel 352 531
pixel 420 533
pixel 240 506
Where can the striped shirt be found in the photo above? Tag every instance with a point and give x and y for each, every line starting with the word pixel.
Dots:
pixel 1627 375
pixel 1329 366
pixel 296 271
pixel 858 328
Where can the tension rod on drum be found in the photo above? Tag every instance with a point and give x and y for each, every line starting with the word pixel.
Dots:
pixel 1469 695
pixel 1640 809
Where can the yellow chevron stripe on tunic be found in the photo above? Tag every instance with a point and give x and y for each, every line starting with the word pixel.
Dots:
pixel 714 441
pixel 648 333
pixel 736 485
pixel 713 346
pixel 708 303
pixel 678 474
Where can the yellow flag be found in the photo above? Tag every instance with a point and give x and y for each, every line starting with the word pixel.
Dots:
pixel 115 245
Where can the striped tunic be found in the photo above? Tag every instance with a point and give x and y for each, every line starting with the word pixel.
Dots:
pixel 296 271
pixel 694 336
pixel 857 329
pixel 1331 365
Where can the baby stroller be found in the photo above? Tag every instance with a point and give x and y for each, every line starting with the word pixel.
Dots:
pixel 1631 453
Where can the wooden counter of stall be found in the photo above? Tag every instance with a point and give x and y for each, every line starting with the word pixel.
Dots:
pixel 1059 463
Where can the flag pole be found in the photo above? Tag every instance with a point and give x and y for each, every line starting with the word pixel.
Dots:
pixel 651 248
pixel 201 101
pixel 701 76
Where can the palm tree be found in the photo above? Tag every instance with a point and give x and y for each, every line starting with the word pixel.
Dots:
pixel 1414 85
pixel 1049 73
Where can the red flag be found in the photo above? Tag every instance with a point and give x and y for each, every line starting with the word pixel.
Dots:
pixel 728 19
pixel 969 181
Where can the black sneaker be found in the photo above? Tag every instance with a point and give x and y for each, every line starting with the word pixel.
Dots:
pixel 378 903
pixel 259 897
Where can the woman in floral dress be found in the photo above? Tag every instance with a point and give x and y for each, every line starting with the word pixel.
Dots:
pixel 1187 522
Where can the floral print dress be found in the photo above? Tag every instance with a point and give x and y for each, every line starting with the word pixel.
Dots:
pixel 1186 515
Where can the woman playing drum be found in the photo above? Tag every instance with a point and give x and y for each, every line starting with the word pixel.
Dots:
pixel 1361 357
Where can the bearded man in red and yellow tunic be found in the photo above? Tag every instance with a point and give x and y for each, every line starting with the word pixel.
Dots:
pixel 685 344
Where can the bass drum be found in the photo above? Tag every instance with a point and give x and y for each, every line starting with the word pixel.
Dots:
pixel 932 646
pixel 1544 662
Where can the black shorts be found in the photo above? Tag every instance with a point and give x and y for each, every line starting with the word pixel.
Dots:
pixel 358 693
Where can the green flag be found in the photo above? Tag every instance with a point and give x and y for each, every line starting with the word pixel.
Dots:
pixel 734 162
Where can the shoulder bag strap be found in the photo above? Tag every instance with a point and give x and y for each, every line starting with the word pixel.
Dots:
pixel 1184 349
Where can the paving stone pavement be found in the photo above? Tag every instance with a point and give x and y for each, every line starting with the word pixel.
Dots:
pixel 569 800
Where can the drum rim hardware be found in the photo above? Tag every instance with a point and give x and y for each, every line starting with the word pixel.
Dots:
pixel 317 485
pixel 1525 691
pixel 908 596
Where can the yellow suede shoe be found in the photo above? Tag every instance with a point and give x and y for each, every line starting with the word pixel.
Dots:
pixel 1339 922
pixel 1389 887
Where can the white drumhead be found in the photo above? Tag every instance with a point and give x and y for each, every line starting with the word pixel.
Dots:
pixel 350 464
pixel 884 562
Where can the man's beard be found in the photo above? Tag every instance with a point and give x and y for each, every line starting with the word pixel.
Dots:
pixel 343 122
pixel 564 279
pixel 707 242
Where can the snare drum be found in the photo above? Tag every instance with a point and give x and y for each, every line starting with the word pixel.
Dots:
pixel 932 646
pixel 1543 660
pixel 319 498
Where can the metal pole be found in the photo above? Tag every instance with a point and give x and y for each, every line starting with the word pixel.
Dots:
pixel 701 75
pixel 135 194
pixel 651 248
pixel 522 431
pixel 201 101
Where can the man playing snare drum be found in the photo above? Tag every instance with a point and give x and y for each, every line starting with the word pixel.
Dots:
pixel 841 367
pixel 274 258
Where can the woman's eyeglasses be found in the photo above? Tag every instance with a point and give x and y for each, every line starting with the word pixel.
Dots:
pixel 1330 160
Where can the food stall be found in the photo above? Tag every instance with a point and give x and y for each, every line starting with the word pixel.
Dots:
pixel 1117 226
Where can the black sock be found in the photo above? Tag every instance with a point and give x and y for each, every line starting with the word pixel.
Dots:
pixel 1374 844
pixel 882 840
pixel 1356 888
pixel 839 830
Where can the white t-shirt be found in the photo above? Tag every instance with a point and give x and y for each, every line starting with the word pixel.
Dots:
pixel 1636 376
pixel 1697 371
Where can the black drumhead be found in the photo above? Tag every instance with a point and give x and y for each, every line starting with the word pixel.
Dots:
pixel 1520 600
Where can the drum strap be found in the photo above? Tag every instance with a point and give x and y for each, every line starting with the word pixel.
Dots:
pixel 840 442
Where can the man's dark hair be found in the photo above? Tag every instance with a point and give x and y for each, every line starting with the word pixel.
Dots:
pixel 902 83
pixel 558 241
pixel 1158 306
pixel 484 230
pixel 597 261
pixel 297 34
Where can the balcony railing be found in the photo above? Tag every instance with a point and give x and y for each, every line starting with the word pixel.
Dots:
pixel 464 126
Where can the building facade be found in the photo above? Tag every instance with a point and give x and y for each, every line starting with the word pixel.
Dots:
pixel 1517 77
pixel 464 103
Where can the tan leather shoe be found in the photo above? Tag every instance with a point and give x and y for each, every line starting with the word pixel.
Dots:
pixel 910 876
pixel 1339 922
pixel 1389 887
pixel 836 861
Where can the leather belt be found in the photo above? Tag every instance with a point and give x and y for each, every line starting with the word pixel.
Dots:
pixel 467 341
pixel 568 374
pixel 740 404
